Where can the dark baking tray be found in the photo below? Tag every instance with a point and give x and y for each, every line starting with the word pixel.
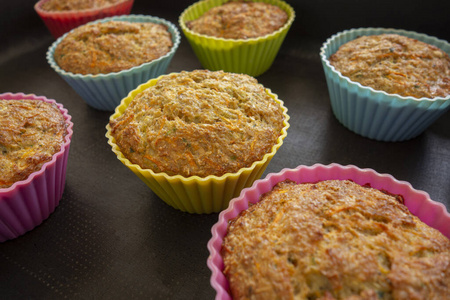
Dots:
pixel 112 238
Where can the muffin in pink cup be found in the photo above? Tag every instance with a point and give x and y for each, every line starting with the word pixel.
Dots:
pixel 389 264
pixel 34 160
pixel 60 16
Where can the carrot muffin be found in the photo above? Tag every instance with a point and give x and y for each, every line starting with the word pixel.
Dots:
pixel 199 123
pixel 31 131
pixel 334 240
pixel 240 20
pixel 395 64
pixel 111 46
pixel 66 5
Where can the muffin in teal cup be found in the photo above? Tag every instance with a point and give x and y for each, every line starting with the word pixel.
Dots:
pixel 103 77
pixel 388 110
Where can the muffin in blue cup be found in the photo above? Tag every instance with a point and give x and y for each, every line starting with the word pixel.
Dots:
pixel 375 113
pixel 103 89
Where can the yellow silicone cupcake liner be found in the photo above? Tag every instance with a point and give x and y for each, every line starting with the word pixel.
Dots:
pixel 250 56
pixel 196 194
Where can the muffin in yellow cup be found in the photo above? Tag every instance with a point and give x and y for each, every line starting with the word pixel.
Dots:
pixel 194 147
pixel 252 56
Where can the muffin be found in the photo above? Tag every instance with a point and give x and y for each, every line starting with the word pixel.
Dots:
pixel 240 20
pixel 112 46
pixel 387 84
pixel 395 64
pixel 65 5
pixel 331 232
pixel 199 123
pixel 104 60
pixel 333 239
pixel 61 16
pixel 31 133
pixel 197 138
pixel 35 144
pixel 238 37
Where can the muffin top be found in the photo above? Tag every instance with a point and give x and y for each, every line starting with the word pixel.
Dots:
pixel 334 240
pixel 31 131
pixel 111 46
pixel 66 5
pixel 240 20
pixel 395 64
pixel 199 123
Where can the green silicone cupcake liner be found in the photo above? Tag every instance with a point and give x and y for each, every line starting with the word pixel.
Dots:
pixel 196 194
pixel 250 56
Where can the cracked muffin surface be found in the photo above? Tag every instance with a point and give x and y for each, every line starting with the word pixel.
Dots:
pixel 334 240
pixel 67 5
pixel 395 64
pixel 31 131
pixel 112 46
pixel 240 20
pixel 199 123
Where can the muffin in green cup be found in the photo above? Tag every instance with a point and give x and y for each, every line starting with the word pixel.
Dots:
pixel 252 56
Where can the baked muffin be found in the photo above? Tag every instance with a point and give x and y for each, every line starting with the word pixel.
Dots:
pixel 397 113
pixel 199 123
pixel 35 138
pixel 104 91
pixel 395 64
pixel 31 132
pixel 66 5
pixel 245 38
pixel 333 239
pixel 112 46
pixel 240 20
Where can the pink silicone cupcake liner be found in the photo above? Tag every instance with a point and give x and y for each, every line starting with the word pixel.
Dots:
pixel 61 22
pixel 418 202
pixel 27 203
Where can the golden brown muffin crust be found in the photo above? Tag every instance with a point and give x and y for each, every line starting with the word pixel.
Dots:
pixel 112 46
pixel 334 240
pixel 199 123
pixel 67 5
pixel 31 131
pixel 395 64
pixel 240 20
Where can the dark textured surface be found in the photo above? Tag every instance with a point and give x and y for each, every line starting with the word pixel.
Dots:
pixel 112 238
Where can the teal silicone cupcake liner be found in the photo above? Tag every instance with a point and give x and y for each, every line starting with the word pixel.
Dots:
pixel 376 114
pixel 105 91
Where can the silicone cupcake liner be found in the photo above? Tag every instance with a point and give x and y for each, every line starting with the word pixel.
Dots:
pixel 418 202
pixel 251 56
pixel 61 22
pixel 377 114
pixel 105 91
pixel 27 203
pixel 196 194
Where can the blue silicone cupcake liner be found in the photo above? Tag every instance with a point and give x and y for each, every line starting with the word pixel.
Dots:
pixel 105 91
pixel 376 114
